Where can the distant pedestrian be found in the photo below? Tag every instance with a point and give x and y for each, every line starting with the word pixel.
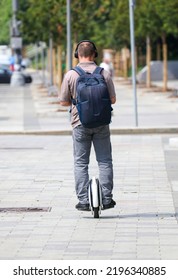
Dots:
pixel 84 137
pixel 107 65
pixel 12 62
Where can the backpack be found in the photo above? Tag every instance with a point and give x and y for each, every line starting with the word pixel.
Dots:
pixel 92 98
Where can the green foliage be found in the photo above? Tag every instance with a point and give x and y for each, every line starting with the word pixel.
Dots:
pixel 104 21
pixel 157 18
pixel 168 11
pixel 119 24
pixel 42 19
pixel 148 21
pixel 5 16
pixel 90 20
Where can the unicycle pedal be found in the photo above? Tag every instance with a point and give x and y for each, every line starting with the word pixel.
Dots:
pixel 95 197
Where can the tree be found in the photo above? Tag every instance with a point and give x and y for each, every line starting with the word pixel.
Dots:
pixel 147 28
pixel 119 26
pixel 89 20
pixel 5 17
pixel 42 19
pixel 167 12
pixel 106 22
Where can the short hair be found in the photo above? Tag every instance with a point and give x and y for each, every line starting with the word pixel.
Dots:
pixel 86 49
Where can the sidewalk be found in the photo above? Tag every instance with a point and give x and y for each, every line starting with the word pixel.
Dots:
pixel 38 219
pixel 31 109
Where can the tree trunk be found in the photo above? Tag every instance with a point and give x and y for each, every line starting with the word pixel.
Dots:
pixel 54 66
pixel 125 64
pixel 59 65
pixel 74 60
pixel 148 59
pixel 164 63
pixel 116 63
pixel 158 51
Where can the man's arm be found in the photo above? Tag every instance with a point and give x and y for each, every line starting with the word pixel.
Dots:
pixel 64 95
pixel 65 103
pixel 110 86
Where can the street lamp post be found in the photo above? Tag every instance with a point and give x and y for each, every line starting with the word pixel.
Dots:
pixel 15 31
pixel 17 78
pixel 132 39
pixel 69 48
pixel 16 39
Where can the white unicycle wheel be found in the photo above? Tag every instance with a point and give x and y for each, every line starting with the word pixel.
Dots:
pixel 95 197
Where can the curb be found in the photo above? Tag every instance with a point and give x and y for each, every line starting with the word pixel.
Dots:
pixel 114 131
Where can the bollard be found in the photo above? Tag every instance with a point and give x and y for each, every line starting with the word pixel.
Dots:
pixel 17 79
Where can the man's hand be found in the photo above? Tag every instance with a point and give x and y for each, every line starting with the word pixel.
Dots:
pixel 113 100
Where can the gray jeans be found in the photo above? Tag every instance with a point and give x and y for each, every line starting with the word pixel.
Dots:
pixel 82 141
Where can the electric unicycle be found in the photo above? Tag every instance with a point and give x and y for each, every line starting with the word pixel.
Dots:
pixel 95 197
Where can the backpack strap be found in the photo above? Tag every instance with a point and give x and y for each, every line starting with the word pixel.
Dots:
pixel 79 70
pixel 98 70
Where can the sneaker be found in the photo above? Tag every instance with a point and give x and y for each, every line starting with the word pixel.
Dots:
pixel 110 205
pixel 82 207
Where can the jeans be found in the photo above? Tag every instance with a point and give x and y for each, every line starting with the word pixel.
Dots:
pixel 82 141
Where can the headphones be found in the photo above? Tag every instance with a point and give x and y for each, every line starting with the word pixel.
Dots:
pixel 76 50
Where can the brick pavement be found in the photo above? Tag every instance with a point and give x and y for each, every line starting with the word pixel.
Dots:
pixel 37 171
pixel 143 225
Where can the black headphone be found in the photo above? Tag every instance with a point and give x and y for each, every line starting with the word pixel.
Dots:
pixel 76 50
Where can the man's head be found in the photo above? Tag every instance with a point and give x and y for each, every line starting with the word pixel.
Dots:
pixel 86 49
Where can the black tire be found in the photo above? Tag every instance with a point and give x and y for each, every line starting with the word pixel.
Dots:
pixel 28 79
pixel 96 212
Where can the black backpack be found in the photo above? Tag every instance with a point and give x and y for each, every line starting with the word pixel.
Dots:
pixel 92 98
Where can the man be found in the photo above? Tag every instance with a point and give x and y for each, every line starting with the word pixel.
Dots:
pixel 84 137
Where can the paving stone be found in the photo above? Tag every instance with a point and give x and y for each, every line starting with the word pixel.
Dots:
pixel 37 171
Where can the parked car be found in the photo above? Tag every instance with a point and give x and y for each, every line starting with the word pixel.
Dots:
pixel 5 76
